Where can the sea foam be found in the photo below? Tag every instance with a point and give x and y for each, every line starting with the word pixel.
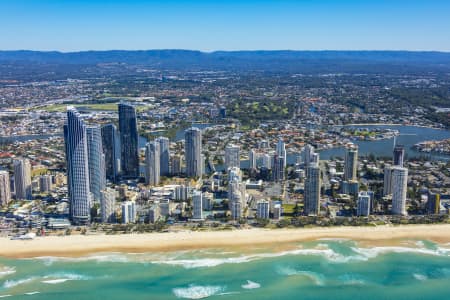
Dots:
pixel 13 283
pixel 251 285
pixel 420 277
pixel 317 278
pixel 197 291
pixel 5 271
pixel 63 277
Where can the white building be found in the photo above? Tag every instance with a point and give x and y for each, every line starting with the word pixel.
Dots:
pixel 5 188
pixel 154 214
pixel 263 209
pixel 107 205
pixel 281 152
pixel 152 163
pixel 22 179
pixel 236 210
pixel 128 212
pixel 312 190
pixel 399 190
pixel 387 183
pixel 364 204
pixel 232 156
pixel 197 203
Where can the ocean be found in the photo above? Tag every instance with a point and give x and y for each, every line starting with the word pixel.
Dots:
pixel 322 269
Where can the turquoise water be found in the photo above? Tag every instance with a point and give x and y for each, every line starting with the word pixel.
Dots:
pixel 325 269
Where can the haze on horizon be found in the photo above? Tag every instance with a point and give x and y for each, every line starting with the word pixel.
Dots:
pixel 67 26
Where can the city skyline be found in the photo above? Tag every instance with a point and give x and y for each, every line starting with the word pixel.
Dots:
pixel 225 25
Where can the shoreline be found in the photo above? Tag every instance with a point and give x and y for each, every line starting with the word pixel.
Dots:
pixel 81 245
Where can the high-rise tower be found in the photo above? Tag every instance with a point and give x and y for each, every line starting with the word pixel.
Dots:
pixel 399 190
pixel 5 188
pixel 232 156
pixel 399 155
pixel 111 149
pixel 129 141
pixel 312 190
pixel 22 179
pixel 75 138
pixel 152 163
pixel 193 152
pixel 96 161
pixel 351 163
pixel 164 158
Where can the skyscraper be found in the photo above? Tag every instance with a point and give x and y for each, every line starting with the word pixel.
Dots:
pixel 128 141
pixel 281 151
pixel 75 138
pixel 399 154
pixel 278 163
pixel 308 152
pixel 193 152
pixel 232 156
pixel 22 179
pixel 399 190
pixel 351 163
pixel 96 162
pixel 252 156
pixel 197 203
pixel 152 163
pixel 312 190
pixel 107 205
pixel 175 164
pixel 387 183
pixel 45 183
pixel 111 149
pixel 364 204
pixel 262 209
pixel 128 212
pixel 164 155
pixel 5 188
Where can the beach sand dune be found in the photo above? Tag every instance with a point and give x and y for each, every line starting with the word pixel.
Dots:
pixel 79 245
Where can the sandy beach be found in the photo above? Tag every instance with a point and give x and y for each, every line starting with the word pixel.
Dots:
pixel 79 245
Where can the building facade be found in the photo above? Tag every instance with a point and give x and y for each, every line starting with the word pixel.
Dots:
pixel 232 156
pixel 312 190
pixel 78 185
pixel 129 140
pixel 22 179
pixel 96 161
pixel 111 149
pixel 193 152
pixel 5 188
pixel 152 163
pixel 399 190
pixel 164 155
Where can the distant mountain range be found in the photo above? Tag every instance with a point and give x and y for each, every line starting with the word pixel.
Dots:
pixel 267 61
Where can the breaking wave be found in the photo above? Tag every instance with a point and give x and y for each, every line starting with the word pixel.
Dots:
pixel 251 285
pixel 13 283
pixel 198 291
pixel 5 271
pixel 200 259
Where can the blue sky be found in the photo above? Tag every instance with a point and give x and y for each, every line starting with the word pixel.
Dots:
pixel 69 25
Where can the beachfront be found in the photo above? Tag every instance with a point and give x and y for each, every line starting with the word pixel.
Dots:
pixel 79 245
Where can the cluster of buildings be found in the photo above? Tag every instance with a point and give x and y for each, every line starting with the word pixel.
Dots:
pixel 109 180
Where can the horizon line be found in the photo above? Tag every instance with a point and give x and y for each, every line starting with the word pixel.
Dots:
pixel 235 50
